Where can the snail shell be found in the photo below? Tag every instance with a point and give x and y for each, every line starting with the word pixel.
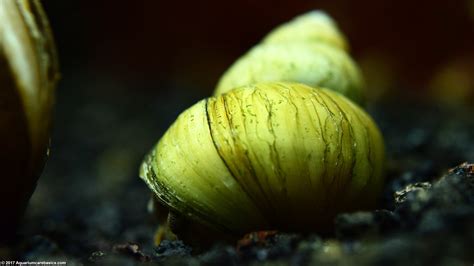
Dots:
pixel 309 49
pixel 268 156
pixel 28 76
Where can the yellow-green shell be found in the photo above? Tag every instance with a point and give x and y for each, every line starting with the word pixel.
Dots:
pixel 309 49
pixel 308 63
pixel 268 156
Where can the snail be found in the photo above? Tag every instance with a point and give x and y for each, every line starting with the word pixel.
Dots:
pixel 272 155
pixel 282 144
pixel 28 76
pixel 310 49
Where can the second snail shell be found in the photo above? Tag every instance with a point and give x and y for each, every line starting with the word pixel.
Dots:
pixel 268 156
pixel 29 73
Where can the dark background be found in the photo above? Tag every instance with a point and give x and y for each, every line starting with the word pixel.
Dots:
pixel 130 67
pixel 418 45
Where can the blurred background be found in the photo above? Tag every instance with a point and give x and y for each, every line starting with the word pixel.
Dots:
pixel 130 67
pixel 401 45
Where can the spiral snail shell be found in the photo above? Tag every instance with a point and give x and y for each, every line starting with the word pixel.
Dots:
pixel 268 156
pixel 309 49
pixel 283 143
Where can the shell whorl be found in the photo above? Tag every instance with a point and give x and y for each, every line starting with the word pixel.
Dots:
pixel 281 155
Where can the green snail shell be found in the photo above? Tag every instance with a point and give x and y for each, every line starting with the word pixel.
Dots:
pixel 268 156
pixel 309 49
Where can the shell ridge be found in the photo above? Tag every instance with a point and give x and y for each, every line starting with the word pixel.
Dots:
pixel 224 161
